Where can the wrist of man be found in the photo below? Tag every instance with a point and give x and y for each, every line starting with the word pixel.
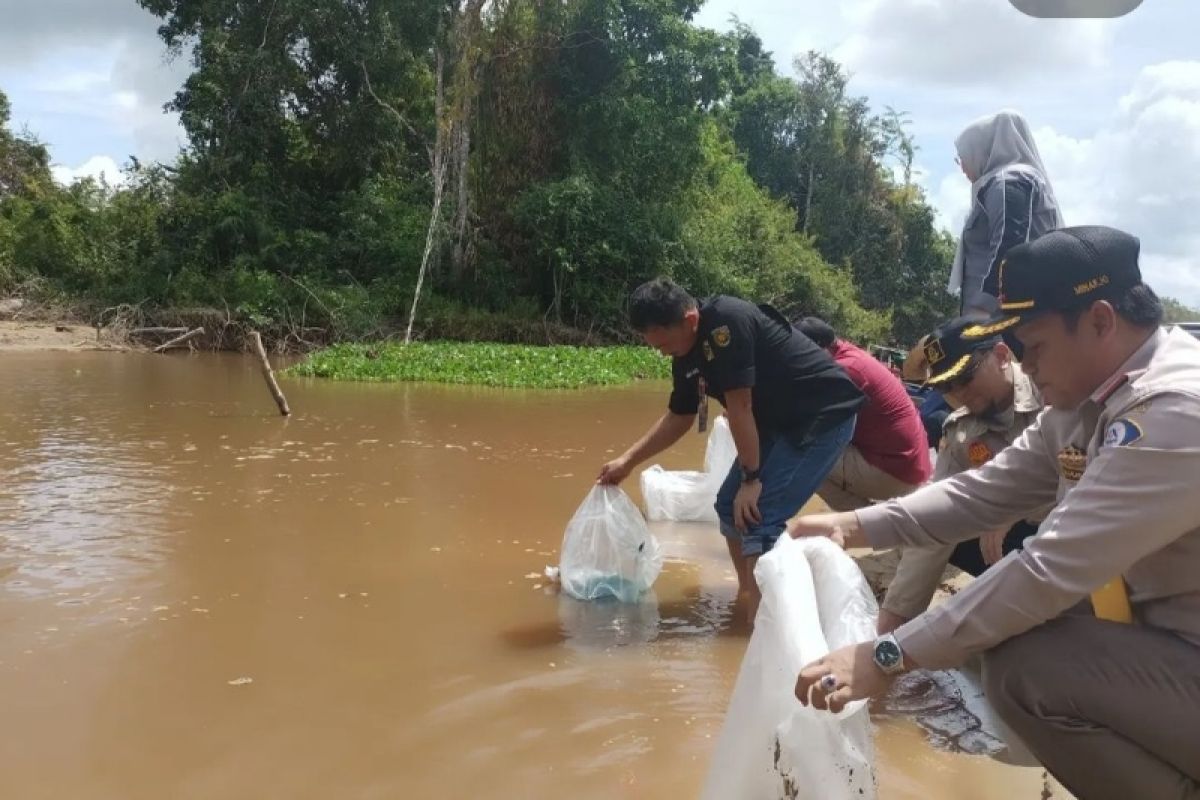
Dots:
pixel 889 656
pixel 751 475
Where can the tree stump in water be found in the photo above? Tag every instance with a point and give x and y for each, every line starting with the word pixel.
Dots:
pixel 269 374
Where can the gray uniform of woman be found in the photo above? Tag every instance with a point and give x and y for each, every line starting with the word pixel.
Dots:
pixel 1011 203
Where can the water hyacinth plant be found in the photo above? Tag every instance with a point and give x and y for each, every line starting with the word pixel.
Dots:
pixel 486 364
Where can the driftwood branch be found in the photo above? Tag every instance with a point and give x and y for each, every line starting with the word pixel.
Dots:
pixel 179 341
pixel 387 106
pixel 269 374
pixel 158 331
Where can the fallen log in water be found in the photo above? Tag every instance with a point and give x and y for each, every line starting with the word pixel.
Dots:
pixel 179 341
pixel 157 331
pixel 269 374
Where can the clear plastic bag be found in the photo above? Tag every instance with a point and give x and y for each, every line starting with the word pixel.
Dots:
pixel 814 599
pixel 688 495
pixel 607 550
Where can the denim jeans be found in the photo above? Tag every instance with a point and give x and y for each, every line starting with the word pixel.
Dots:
pixel 790 476
pixel 968 555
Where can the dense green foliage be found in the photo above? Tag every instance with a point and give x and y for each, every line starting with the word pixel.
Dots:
pixel 575 148
pixel 557 367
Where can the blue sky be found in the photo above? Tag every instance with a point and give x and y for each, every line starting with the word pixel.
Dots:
pixel 1115 104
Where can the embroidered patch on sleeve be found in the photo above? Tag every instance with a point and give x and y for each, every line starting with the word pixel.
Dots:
pixel 720 336
pixel 1121 433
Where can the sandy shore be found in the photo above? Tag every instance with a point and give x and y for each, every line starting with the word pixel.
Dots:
pixel 20 336
pixel 47 336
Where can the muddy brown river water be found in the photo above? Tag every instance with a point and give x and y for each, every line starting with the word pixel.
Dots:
pixel 199 599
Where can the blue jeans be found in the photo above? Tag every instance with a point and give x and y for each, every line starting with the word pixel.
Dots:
pixel 790 476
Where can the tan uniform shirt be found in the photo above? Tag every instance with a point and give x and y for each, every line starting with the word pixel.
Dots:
pixel 1122 470
pixel 968 441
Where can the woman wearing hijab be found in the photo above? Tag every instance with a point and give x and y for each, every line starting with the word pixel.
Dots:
pixel 1011 202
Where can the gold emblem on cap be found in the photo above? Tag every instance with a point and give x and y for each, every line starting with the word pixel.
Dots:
pixel 1092 285
pixel 1072 462
pixel 934 352
pixel 980 331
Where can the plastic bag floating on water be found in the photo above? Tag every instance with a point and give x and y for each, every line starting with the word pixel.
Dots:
pixel 687 495
pixel 814 600
pixel 608 550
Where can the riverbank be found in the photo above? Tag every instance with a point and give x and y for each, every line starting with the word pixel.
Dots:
pixel 26 336
pixel 32 318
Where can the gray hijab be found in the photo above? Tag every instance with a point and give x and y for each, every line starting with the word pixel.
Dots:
pixel 991 145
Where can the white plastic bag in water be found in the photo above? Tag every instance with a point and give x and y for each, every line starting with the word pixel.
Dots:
pixel 607 549
pixel 687 495
pixel 814 599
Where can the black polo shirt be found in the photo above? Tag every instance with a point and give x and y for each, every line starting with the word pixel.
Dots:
pixel 798 391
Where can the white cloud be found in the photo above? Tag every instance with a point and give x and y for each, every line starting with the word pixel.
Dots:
pixel 966 42
pixel 98 167
pixel 144 81
pixel 1140 171
pixel 91 74
pixel 73 82
pixel 952 200
pixel 32 29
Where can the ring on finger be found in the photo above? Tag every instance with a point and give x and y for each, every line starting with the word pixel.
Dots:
pixel 828 683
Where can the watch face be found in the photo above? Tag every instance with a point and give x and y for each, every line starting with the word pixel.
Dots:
pixel 887 654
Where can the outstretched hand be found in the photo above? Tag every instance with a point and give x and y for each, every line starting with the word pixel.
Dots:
pixel 613 472
pixel 841 529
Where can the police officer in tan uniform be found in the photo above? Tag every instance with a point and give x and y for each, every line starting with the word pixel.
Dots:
pixel 996 402
pixel 1105 693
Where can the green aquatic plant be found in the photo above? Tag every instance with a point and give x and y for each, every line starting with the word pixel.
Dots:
pixel 486 364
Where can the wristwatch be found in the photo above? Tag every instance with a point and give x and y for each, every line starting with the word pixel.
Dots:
pixel 888 655
pixel 750 475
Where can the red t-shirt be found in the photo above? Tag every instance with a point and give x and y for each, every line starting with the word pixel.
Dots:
pixel 889 432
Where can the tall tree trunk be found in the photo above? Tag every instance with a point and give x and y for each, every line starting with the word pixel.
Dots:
pixel 469 45
pixel 808 194
pixel 460 256
pixel 438 174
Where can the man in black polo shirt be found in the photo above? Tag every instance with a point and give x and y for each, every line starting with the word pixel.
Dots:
pixel 791 410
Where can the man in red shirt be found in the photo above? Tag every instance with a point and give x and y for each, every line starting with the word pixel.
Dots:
pixel 889 454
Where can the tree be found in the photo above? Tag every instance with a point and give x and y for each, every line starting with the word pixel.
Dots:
pixel 822 151
pixel 24 161
pixel 349 159
pixel 1175 311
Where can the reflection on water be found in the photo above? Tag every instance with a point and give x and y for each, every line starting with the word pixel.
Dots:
pixel 200 599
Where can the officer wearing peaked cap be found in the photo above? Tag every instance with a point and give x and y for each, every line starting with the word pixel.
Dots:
pixel 996 401
pixel 1090 635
